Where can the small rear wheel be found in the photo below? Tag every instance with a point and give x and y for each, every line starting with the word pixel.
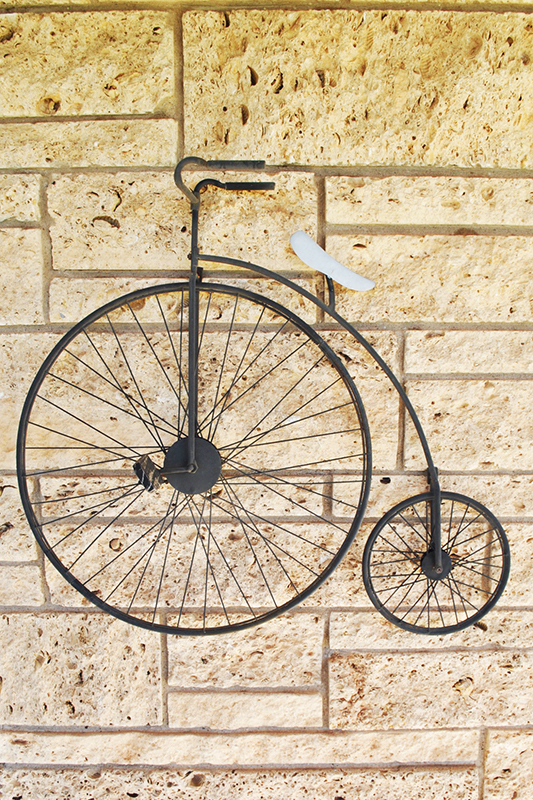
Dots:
pixel 399 574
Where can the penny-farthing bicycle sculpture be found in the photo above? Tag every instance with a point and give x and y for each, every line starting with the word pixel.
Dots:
pixel 194 458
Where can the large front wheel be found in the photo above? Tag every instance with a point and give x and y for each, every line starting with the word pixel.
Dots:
pixel 282 447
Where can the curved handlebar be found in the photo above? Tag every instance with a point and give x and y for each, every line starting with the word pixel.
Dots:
pixel 194 198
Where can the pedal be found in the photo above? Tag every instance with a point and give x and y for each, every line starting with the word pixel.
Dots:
pixel 148 473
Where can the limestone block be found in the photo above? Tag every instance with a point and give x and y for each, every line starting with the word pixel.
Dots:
pixel 518 591
pixel 20 585
pixel 119 221
pixel 437 278
pixel 245 658
pixel 385 492
pixel 504 495
pixel 476 424
pixel 99 784
pixel 20 357
pixel 352 87
pixel 428 690
pixel 469 352
pixel 122 143
pixel 379 397
pixel 21 281
pixel 78 669
pixel 16 539
pixel 365 748
pixel 19 198
pixel 72 298
pixel 111 62
pixel 256 226
pixel 432 200
pixel 233 710
pixel 359 630
pixel 508 765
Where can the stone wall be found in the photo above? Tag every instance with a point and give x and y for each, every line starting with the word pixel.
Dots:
pixel 399 135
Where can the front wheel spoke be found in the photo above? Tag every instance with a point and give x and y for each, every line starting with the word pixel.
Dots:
pixel 208 566
pixel 460 595
pixel 458 562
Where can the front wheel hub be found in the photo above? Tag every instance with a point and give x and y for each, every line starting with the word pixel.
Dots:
pixel 428 566
pixel 208 461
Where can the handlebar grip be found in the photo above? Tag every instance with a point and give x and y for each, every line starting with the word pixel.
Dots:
pixel 254 165
pixel 249 185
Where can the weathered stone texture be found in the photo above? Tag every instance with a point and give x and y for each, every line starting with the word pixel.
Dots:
pixel 363 748
pixel 233 710
pixel 293 643
pixel 400 87
pixel 19 198
pixel 473 424
pixel 428 690
pixel 122 143
pixel 437 278
pixel 20 357
pixel 429 201
pixel 20 585
pixel 86 63
pixel 508 765
pixel 21 281
pixel 437 352
pixel 82 670
pixel 16 540
pixel 360 630
pixel 100 784
pixel 519 591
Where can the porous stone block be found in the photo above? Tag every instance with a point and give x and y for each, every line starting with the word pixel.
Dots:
pixel 385 492
pixel 429 690
pixel 473 424
pixel 21 585
pixel 245 658
pixel 121 143
pixel 364 748
pixel 233 710
pixel 21 355
pixel 119 221
pixel 19 198
pixel 469 352
pixel 436 278
pixel 360 630
pixel 112 62
pixel 422 200
pixel 204 784
pixel 359 86
pixel 16 539
pixel 518 591
pixel 508 765
pixel 380 399
pixel 78 669
pixel 504 495
pixel 21 281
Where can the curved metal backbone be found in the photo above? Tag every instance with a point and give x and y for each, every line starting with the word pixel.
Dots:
pixel 330 310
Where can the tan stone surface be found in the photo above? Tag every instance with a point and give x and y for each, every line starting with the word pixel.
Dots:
pixel 97 784
pixel 123 143
pixel 360 630
pixel 385 492
pixel 356 87
pixel 504 352
pixel 233 710
pixel 364 748
pixel 119 221
pixel 518 590
pixel 19 198
pixel 20 585
pixel 21 355
pixel 16 539
pixel 293 643
pixel 504 495
pixel 78 670
pixel 429 201
pixel 21 282
pixel 508 765
pixel 86 63
pixel 437 278
pixel 477 424
pixel 403 690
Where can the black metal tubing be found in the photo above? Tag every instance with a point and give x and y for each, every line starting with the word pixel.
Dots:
pixel 267 273
pixel 193 194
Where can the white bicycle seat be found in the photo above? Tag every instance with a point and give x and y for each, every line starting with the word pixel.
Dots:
pixel 314 256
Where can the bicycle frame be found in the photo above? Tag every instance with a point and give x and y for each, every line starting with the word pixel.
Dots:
pixel 328 308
